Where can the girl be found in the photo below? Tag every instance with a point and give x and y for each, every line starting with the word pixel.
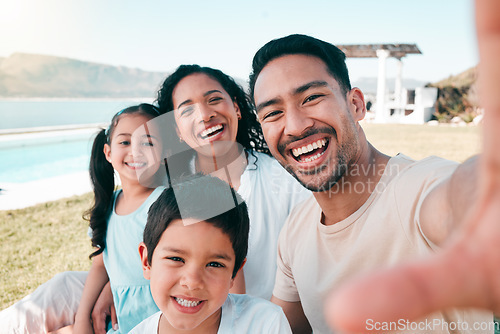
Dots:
pixel 214 117
pixel 117 219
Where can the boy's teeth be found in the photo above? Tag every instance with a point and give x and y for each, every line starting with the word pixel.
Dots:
pixel 187 303
pixel 308 148
pixel 209 131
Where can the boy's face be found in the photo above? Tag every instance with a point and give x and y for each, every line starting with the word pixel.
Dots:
pixel 190 274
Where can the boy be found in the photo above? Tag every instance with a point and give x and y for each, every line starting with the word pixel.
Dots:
pixel 197 238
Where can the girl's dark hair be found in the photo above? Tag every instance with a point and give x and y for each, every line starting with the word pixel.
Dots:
pixel 249 133
pixel 102 177
pixel 200 197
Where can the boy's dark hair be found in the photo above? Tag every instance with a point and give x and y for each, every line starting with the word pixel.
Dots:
pixel 193 198
pixel 102 177
pixel 249 133
pixel 332 56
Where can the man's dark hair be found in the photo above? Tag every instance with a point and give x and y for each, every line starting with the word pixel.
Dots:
pixel 193 198
pixel 332 56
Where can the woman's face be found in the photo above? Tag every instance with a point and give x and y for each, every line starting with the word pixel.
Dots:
pixel 206 116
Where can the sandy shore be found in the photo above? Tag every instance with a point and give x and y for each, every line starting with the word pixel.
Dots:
pixel 22 195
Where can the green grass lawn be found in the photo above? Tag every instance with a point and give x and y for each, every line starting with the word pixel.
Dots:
pixel 40 241
pixel 420 141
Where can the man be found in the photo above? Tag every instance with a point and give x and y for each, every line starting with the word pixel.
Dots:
pixel 369 210
pixel 471 261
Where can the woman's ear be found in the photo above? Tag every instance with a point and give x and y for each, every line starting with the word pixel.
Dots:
pixel 237 109
pixel 356 102
pixel 146 268
pixel 107 152
pixel 178 133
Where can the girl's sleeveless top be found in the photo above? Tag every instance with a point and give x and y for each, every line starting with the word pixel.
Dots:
pixel 131 291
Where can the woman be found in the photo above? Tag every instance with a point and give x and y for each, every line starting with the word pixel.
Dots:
pixel 214 117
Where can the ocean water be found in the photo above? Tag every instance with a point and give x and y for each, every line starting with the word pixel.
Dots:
pixel 29 157
pixel 30 113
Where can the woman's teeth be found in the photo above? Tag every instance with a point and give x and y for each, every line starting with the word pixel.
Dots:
pixel 208 132
pixel 187 303
pixel 308 148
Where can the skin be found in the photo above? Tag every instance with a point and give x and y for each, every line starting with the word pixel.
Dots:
pixel 201 103
pixel 103 309
pixel 300 103
pixel 193 260
pixel 465 273
pixel 133 153
pixel 120 153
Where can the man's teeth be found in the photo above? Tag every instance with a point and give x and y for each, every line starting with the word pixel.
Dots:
pixel 209 131
pixel 308 148
pixel 187 303
pixel 314 157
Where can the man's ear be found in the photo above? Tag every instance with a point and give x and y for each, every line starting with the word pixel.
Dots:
pixel 146 268
pixel 107 152
pixel 356 103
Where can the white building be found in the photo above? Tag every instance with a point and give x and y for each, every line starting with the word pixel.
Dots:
pixel 404 106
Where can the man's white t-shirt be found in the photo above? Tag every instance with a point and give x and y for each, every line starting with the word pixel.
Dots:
pixel 314 258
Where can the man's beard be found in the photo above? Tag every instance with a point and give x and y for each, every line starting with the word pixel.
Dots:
pixel 344 155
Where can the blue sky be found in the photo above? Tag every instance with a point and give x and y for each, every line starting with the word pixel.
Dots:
pixel 159 35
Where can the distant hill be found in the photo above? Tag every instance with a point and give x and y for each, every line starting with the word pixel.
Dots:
pixel 457 96
pixel 30 75
pixel 465 79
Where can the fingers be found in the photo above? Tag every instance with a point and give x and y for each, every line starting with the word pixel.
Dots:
pixel 99 322
pixel 488 35
pixel 114 320
pixel 407 292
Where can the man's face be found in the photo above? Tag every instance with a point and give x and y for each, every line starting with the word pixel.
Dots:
pixel 307 121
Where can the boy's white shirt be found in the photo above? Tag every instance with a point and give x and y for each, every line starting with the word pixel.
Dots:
pixel 240 314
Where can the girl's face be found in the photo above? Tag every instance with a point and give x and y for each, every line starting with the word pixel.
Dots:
pixel 135 151
pixel 190 274
pixel 206 116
